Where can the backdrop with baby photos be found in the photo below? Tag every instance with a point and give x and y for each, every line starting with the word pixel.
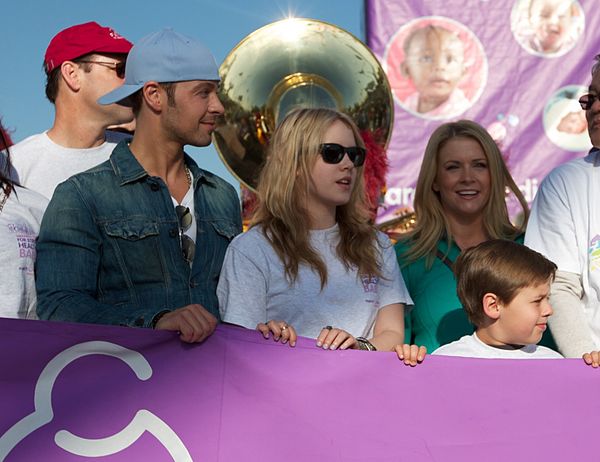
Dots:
pixel 516 67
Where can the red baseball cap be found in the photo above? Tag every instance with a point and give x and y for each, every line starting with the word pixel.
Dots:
pixel 79 40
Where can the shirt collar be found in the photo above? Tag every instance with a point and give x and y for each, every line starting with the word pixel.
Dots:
pixel 129 170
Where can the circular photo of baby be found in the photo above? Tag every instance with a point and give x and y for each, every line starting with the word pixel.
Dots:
pixel 564 120
pixel 547 28
pixel 436 66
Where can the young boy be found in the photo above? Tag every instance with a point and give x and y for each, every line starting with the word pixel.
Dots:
pixel 504 287
pixel 435 63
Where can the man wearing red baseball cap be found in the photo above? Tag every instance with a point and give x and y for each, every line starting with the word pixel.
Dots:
pixel 81 63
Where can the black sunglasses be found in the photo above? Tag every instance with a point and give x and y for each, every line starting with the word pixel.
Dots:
pixel 333 153
pixel 188 246
pixel 587 101
pixel 118 67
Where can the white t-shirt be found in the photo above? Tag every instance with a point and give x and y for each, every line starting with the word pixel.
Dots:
pixel 188 201
pixel 19 227
pixel 253 287
pixel 470 346
pixel 41 165
pixel 565 227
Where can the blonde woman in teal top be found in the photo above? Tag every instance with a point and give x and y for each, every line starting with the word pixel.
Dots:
pixel 460 201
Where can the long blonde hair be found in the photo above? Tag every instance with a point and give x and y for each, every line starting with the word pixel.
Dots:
pixel 283 188
pixel 432 225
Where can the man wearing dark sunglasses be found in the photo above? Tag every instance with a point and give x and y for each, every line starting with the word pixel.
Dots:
pixel 81 63
pixel 565 226
pixel 140 239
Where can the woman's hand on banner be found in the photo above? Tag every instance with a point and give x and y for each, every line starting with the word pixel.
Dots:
pixel 281 331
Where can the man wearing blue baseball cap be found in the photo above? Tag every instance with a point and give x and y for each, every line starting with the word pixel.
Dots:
pixel 139 240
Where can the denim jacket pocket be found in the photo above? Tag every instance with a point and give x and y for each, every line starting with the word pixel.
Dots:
pixel 226 229
pixel 137 254
pixel 131 230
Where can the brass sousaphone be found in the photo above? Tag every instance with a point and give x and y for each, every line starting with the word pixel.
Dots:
pixel 296 63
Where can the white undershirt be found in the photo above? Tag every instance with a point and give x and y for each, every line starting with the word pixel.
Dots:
pixel 188 201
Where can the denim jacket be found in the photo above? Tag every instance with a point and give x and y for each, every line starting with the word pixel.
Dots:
pixel 109 250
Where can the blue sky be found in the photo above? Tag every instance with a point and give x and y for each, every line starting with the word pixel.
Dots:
pixel 28 26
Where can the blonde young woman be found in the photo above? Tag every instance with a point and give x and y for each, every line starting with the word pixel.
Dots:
pixel 460 201
pixel 311 264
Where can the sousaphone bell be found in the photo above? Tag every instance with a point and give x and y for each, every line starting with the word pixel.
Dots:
pixel 297 63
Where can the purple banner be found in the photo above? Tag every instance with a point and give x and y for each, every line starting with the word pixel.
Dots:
pixel 517 67
pixel 68 392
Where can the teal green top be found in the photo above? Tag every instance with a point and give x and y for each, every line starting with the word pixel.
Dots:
pixel 437 317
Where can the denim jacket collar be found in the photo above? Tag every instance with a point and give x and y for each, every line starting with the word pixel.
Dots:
pixel 129 170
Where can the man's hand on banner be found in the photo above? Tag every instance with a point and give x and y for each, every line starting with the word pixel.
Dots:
pixel 193 322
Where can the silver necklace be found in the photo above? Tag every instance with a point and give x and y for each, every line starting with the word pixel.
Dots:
pixel 188 175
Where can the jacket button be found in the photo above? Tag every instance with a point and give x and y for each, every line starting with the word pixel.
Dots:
pixel 154 187
pixel 173 232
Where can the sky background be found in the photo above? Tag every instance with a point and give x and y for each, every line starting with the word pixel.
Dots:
pixel 28 26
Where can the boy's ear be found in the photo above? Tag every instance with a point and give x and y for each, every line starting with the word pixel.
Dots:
pixel 491 305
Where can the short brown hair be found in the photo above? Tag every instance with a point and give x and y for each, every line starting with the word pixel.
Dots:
pixel 501 267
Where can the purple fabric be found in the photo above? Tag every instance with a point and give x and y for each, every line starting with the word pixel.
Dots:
pixel 239 397
pixel 516 91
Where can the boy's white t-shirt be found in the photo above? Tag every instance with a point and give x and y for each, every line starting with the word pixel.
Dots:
pixel 19 227
pixel 470 346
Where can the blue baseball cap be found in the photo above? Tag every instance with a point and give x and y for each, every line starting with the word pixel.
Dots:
pixel 164 56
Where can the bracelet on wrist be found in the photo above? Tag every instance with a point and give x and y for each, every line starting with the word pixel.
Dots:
pixel 156 318
pixel 365 344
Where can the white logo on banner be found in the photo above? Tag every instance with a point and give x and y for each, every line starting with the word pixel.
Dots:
pixel 144 420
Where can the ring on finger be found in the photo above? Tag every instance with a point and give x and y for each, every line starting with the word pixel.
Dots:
pixel 328 327
pixel 284 326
